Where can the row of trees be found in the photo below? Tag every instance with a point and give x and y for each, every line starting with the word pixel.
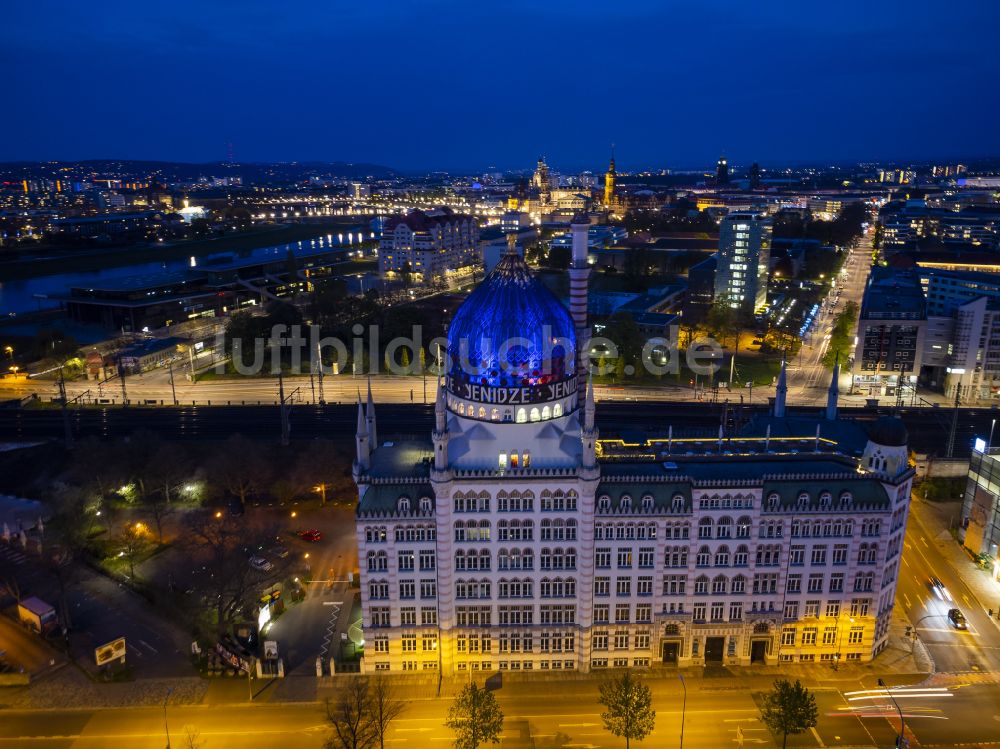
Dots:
pixel 360 719
pixel 841 338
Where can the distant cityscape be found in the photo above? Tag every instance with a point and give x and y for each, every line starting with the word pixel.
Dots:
pixel 667 420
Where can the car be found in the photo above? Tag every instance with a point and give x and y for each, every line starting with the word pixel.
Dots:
pixel 280 551
pixel 260 563
pixel 957 619
pixel 311 535
pixel 939 590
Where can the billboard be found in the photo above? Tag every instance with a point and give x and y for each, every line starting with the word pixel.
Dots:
pixel 110 652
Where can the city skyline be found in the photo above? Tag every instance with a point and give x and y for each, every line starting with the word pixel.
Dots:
pixel 729 79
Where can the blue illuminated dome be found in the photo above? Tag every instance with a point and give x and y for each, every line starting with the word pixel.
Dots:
pixel 513 313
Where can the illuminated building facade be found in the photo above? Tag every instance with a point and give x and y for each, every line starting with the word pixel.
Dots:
pixel 609 182
pixel 428 244
pixel 515 539
pixel 744 257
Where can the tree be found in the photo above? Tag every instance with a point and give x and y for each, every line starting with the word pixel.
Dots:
pixel 239 467
pixel 131 542
pixel 384 706
pixel 629 704
pixel 350 719
pixel 788 709
pixel 475 717
pixel 216 543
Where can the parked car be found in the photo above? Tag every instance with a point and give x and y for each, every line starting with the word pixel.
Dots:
pixel 957 619
pixel 260 563
pixel 311 535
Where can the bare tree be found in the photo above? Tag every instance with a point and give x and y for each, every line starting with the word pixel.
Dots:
pixel 384 707
pixel 217 542
pixel 350 718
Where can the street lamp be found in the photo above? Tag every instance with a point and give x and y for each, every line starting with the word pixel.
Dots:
pixel 9 350
pixel 901 739
pixel 684 705
pixel 166 727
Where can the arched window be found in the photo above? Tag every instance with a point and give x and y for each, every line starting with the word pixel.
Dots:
pixel 557 411
pixel 743 527
pixel 704 557
pixel 482 412
pixel 625 505
pixel 677 503
pixel 705 528
pixel 803 499
pixel 772 501
pixel 720 584
pixel 739 584
pixel 522 416
pixel 495 414
pixel 725 528
pixel 425 504
pixel 535 415
pixel 604 503
pixel 403 504
pixel 546 413
pixel 722 556
pixel 647 502
pixel 741 555
pixel 825 500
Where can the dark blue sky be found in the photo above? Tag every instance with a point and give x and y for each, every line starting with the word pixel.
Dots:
pixel 465 85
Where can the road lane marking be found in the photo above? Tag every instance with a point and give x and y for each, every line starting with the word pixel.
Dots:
pixel 815 734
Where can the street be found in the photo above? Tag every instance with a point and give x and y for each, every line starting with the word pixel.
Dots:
pixel 544 715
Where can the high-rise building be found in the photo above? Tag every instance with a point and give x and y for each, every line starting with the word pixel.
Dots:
pixel 514 539
pixel 754 176
pixel 744 256
pixel 722 171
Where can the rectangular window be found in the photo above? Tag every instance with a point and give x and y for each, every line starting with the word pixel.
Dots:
pixel 788 636
pixel 602 558
pixel 621 640
pixel 601 613
pixel 644 586
pixel 856 635
pixel 646 556
pixel 407 616
pixel 426 560
pixel 428 615
pixel 794 584
pixel 644 612
pixel 407 589
pixel 409 643
pixel 622 613
pixel 623 586
pixel 405 559
pixel 428 588
pixel 624 558
pixel 602 586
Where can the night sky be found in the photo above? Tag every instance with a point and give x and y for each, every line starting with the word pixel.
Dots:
pixel 467 85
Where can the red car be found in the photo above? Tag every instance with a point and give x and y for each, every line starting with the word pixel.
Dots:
pixel 311 535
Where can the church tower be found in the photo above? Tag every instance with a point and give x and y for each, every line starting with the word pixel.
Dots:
pixel 609 181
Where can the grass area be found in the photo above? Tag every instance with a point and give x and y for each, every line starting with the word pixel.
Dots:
pixel 82 260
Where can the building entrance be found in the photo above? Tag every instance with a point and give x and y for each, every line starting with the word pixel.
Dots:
pixel 714 647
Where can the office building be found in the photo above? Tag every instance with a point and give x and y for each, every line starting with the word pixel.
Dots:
pixel 744 256
pixel 515 539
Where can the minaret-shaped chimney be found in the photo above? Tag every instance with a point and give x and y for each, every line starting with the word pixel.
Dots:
pixel 781 392
pixel 579 273
pixel 440 435
pixel 372 436
pixel 589 406
pixel 362 446
pixel 834 391
pixel 589 433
